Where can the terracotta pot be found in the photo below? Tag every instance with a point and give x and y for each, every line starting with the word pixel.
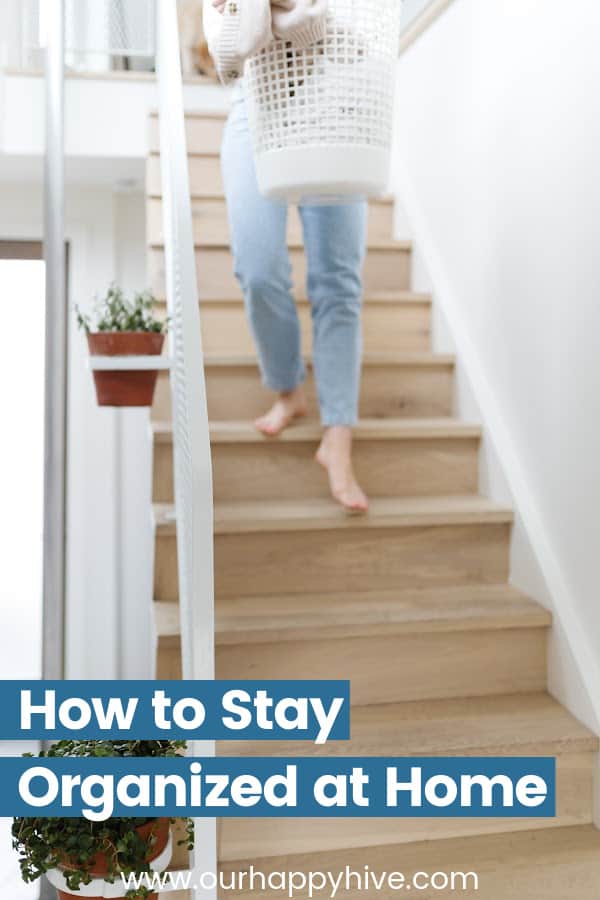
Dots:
pixel 99 864
pixel 121 387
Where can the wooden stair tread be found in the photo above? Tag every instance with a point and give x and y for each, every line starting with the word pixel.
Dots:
pixel 324 514
pixel 400 297
pixel 519 725
pixel 390 245
pixel 156 195
pixel 413 359
pixel 397 297
pixel 196 114
pixel 227 432
pixel 542 864
pixel 317 514
pixel 242 620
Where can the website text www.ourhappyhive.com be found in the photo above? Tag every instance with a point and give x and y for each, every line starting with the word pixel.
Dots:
pixel 325 884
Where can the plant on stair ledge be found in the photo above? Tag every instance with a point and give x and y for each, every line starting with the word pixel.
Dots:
pixel 75 852
pixel 122 327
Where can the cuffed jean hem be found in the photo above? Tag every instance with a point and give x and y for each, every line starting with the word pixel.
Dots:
pixel 339 420
pixel 283 385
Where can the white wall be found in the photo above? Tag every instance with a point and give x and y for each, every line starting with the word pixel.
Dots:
pixel 413 8
pixel 498 142
pixel 109 549
pixel 10 33
pixel 134 477
pixel 108 510
pixel 22 291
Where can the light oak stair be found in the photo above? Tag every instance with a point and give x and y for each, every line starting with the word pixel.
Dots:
pixel 551 864
pixel 211 226
pixel 392 645
pixel 396 321
pixel 204 132
pixel 554 864
pixel 437 456
pixel 387 268
pixel 523 725
pixel 393 385
pixel 411 602
pixel 415 542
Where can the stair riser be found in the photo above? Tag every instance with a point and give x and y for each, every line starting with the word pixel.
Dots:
pixel 245 839
pixel 387 391
pixel 387 328
pixel 206 182
pixel 211 226
pixel 385 270
pixel 206 179
pixel 246 471
pixel 393 668
pixel 204 134
pixel 556 864
pixel 353 559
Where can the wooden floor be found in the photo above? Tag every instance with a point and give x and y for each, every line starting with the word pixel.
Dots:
pixel 411 602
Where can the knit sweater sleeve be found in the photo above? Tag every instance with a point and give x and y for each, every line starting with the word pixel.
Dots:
pixel 301 22
pixel 240 31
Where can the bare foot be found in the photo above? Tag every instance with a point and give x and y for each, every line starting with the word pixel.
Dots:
pixel 335 455
pixel 288 407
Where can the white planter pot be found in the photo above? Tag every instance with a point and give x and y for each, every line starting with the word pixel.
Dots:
pixel 101 888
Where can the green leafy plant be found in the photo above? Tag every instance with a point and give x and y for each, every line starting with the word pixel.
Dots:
pixel 114 312
pixel 50 843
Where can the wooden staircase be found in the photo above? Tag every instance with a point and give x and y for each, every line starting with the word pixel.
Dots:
pixel 412 602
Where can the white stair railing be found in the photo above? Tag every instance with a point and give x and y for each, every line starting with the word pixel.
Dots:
pixel 193 476
pixel 109 28
pixel 417 16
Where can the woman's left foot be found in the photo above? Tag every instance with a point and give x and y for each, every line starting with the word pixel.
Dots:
pixel 335 455
pixel 288 407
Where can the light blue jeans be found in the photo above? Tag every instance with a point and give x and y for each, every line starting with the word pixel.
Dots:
pixel 334 241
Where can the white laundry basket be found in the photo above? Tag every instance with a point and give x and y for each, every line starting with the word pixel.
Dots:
pixel 321 118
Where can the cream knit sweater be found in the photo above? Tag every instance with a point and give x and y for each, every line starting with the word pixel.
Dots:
pixel 247 26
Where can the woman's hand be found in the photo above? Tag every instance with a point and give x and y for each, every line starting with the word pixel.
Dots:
pixel 219 5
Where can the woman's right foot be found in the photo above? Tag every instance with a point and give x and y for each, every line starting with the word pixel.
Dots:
pixel 335 455
pixel 288 407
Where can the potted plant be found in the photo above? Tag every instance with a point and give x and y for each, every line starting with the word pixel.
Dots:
pixel 122 327
pixel 81 852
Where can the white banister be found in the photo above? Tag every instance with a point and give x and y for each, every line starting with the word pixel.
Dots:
pixel 193 475
pixel 55 441
pixel 417 16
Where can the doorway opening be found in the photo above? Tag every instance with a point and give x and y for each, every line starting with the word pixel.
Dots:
pixel 22 301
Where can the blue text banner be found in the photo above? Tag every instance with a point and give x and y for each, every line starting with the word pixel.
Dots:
pixel 316 711
pixel 97 789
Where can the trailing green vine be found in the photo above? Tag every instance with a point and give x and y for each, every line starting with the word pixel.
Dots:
pixel 49 843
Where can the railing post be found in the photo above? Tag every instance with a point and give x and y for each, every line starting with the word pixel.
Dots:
pixel 56 350
pixel 56 362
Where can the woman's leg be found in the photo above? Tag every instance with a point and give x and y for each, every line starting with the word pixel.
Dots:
pixel 262 266
pixel 335 241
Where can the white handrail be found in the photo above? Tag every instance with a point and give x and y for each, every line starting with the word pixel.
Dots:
pixel 56 355
pixel 191 440
pixel 417 16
